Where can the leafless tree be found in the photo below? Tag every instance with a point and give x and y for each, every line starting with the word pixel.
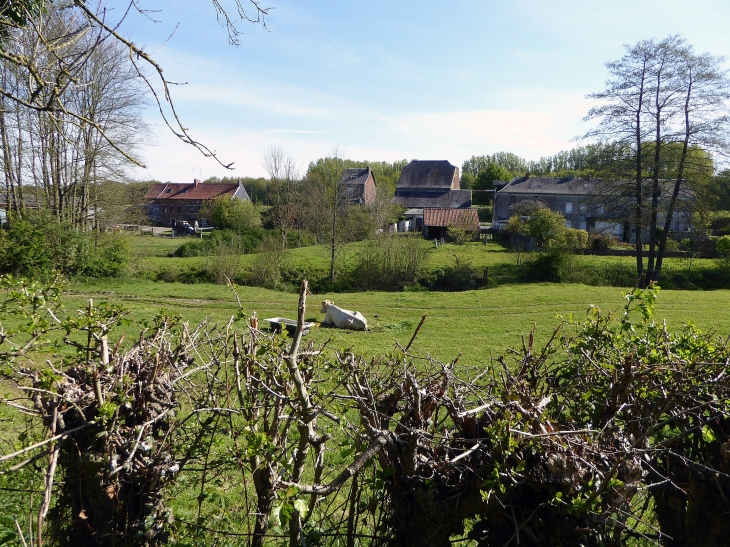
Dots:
pixel 51 75
pixel 284 183
pixel 663 109
pixel 55 157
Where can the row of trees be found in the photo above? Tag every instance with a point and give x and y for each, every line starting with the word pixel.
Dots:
pixel 54 158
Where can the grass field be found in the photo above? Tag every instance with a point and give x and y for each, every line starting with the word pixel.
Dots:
pixel 476 323
pixel 152 261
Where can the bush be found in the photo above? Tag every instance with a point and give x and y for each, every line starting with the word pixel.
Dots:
pixel 109 256
pixel 232 214
pixel 245 242
pixel 516 225
pixel 575 239
pixel 460 236
pixel 601 242
pixel 461 276
pixel 391 262
pixel 36 243
pixel 548 267
pixel 723 246
pixel 545 226
pixel 266 268
pixel 527 207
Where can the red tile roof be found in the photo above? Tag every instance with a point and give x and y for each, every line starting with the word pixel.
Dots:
pixel 176 190
pixel 467 218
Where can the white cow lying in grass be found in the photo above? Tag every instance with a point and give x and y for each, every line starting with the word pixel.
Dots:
pixel 343 319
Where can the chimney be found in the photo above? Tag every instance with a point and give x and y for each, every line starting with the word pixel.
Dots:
pixel 196 182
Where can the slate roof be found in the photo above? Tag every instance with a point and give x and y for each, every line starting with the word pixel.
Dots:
pixel 201 191
pixel 430 174
pixel 551 185
pixel 420 199
pixel 451 217
pixel 356 175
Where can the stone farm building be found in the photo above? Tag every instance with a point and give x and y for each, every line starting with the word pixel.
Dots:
pixel 173 203
pixel 358 186
pixel 432 183
pixel 429 184
pixel 587 204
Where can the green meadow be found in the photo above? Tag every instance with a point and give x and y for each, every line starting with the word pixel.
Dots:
pixel 476 324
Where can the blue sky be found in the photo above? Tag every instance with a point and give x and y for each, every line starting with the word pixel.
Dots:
pixel 388 80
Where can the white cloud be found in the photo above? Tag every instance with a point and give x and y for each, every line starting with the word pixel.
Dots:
pixel 546 125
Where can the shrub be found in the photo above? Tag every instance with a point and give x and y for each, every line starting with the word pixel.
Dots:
pixel 671 245
pixel 723 246
pixel 546 225
pixel 516 225
pixel 109 256
pixel 232 214
pixel 461 276
pixel 391 262
pixel 527 207
pixel 459 235
pixel 245 242
pixel 266 268
pixel 36 243
pixel 601 242
pixel 575 239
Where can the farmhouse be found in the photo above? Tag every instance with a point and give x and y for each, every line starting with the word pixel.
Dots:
pixel 433 183
pixel 173 203
pixel 587 204
pixel 358 186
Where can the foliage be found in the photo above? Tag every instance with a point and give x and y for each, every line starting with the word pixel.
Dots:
pixel 553 266
pixel 231 214
pixel 723 246
pixel 516 225
pixel 37 243
pixel 267 265
pixel 601 242
pixel 575 239
pixel 545 226
pixel 527 207
pixel 391 262
pixel 109 257
pixel 232 242
pixel 461 235
pixel 461 275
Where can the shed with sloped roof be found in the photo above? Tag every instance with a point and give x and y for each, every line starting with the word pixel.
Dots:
pixel 437 221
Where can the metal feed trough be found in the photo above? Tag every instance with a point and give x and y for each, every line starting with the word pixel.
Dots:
pixel 280 323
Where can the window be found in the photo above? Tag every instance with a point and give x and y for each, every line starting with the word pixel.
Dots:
pixel 350 192
pixel 353 177
pixel 568 207
pixel 168 190
pixel 164 208
pixel 582 208
pixel 179 209
pixel 600 209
